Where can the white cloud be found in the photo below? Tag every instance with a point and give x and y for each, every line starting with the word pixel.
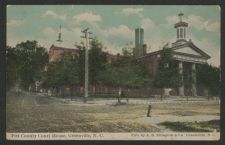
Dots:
pixel 147 23
pixel 15 23
pixel 172 20
pixel 213 27
pixel 121 31
pixel 87 17
pixel 54 15
pixel 132 11
pixel 48 31
pixel 202 24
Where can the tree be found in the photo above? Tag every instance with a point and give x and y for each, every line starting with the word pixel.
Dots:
pixel 208 77
pixel 125 72
pixel 62 73
pixel 33 60
pixel 167 74
pixel 30 60
pixel 81 64
pixel 12 62
pixel 97 61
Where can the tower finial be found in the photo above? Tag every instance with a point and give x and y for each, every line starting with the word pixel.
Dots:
pixel 180 15
pixel 59 36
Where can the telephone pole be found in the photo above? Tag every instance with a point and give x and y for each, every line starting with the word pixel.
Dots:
pixel 86 36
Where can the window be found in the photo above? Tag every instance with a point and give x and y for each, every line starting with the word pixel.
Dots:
pixel 166 65
pixel 181 32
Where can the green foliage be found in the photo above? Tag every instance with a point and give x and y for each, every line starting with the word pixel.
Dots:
pixel 62 72
pixel 81 67
pixel 29 59
pixel 27 62
pixel 208 77
pixel 97 61
pixel 12 63
pixel 167 74
pixel 125 72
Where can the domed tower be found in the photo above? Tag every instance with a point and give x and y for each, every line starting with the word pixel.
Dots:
pixel 181 27
pixel 59 40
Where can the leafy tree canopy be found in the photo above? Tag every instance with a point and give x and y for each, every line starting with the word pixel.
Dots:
pixel 208 77
pixel 62 72
pixel 125 72
pixel 167 74
pixel 30 59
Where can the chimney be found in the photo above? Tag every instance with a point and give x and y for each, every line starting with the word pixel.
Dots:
pixel 145 49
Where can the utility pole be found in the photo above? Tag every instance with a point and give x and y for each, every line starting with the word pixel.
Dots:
pixel 86 36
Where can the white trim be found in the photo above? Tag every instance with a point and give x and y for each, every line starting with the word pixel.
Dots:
pixel 189 59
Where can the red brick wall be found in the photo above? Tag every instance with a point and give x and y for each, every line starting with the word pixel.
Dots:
pixel 56 53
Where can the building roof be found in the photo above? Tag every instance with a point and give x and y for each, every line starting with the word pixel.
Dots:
pixel 62 48
pixel 194 47
pixel 180 24
pixel 176 47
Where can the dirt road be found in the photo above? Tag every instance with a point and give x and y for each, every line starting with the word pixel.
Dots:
pixel 34 113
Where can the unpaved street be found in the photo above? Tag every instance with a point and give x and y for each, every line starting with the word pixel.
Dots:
pixel 35 113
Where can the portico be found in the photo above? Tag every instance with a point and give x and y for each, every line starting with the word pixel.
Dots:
pixel 186 52
pixel 192 62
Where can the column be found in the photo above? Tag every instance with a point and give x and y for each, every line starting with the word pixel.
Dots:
pixel 193 74
pixel 181 88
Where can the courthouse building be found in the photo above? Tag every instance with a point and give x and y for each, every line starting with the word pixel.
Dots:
pixel 185 53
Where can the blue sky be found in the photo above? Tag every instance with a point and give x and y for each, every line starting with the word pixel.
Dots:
pixel 114 25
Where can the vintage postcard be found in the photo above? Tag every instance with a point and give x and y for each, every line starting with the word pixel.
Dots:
pixel 113 72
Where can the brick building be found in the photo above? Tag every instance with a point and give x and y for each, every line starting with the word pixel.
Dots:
pixel 56 51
